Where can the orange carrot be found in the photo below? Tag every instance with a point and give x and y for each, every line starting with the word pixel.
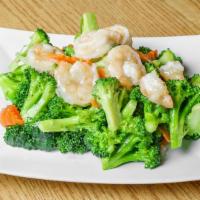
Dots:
pixel 165 134
pixel 102 72
pixel 10 116
pixel 94 103
pixel 149 56
pixel 61 57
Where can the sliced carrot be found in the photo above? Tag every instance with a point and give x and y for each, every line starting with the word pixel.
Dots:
pixel 149 56
pixel 61 57
pixel 94 103
pixel 10 116
pixel 165 134
pixel 102 72
pixel 152 55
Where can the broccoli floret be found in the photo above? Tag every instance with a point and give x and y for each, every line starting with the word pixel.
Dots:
pixel 149 66
pixel 56 109
pixel 107 93
pixel 154 114
pixel 101 142
pixel 83 119
pixel 38 37
pixel 30 137
pixel 72 142
pixel 88 23
pixel 15 85
pixel 195 80
pixel 69 50
pixel 193 123
pixel 41 91
pixel 91 122
pixel 166 56
pixel 137 145
pixel 184 97
pixel 144 50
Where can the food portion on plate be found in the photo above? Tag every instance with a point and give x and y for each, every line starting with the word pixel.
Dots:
pixel 99 95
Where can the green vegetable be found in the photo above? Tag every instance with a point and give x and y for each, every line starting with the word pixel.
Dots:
pixel 149 66
pixel 15 85
pixel 82 119
pixel 195 80
pixel 69 50
pixel 144 50
pixel 72 142
pixel 166 56
pixel 137 145
pixel 193 123
pixel 39 36
pixel 154 114
pixel 41 91
pixel 30 137
pixel 88 23
pixel 107 92
pixel 184 97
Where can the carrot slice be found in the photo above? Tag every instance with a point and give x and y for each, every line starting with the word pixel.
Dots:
pixel 61 57
pixel 102 72
pixel 10 116
pixel 165 134
pixel 149 56
pixel 94 103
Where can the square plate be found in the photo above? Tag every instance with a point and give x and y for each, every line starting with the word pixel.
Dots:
pixel 180 165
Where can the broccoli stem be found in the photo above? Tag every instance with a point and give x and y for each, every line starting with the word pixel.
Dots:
pixel 151 122
pixel 58 125
pixel 177 125
pixel 112 112
pixel 88 23
pixel 129 108
pixel 47 95
pixel 120 157
pixel 34 94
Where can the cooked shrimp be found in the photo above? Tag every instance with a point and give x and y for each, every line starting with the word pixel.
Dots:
pixel 38 57
pixel 172 70
pixel 123 31
pixel 96 44
pixel 124 63
pixel 155 90
pixel 75 82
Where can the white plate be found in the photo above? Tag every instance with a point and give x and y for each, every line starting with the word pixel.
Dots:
pixel 180 165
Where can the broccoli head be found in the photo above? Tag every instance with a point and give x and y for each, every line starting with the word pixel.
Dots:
pixel 38 37
pixel 15 85
pixel 42 88
pixel 30 137
pixel 69 50
pixel 184 97
pixel 72 142
pixel 107 92
pixel 144 50
pixel 153 114
pixel 195 80
pixel 136 145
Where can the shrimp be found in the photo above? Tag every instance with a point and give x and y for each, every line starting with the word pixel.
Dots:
pixel 37 57
pixel 172 70
pixel 75 82
pixel 124 63
pixel 123 31
pixel 96 44
pixel 155 90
